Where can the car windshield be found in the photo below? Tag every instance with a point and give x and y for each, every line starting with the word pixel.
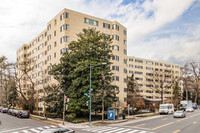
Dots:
pixel 163 107
pixel 179 112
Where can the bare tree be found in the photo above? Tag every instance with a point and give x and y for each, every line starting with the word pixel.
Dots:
pixel 161 81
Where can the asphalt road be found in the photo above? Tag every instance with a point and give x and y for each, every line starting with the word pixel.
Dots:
pixel 158 124
pixel 11 124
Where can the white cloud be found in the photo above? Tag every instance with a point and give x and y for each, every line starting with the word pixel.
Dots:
pixel 22 20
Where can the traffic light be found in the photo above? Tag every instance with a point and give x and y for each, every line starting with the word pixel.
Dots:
pixel 86 103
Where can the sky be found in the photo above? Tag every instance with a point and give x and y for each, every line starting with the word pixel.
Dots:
pixel 162 30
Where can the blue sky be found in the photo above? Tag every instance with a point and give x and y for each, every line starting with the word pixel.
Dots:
pixel 163 30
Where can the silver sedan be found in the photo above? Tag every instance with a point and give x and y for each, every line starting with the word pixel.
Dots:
pixel 180 114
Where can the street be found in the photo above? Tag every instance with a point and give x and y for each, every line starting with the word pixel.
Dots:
pixel 161 124
pixel 156 124
pixel 11 124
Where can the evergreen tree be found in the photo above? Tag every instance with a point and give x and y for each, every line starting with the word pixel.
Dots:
pixel 73 72
pixel 177 95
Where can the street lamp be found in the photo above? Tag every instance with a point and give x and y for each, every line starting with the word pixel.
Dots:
pixel 91 66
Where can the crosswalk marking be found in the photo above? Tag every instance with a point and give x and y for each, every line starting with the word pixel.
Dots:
pixel 25 131
pixel 124 131
pixel 47 127
pixel 40 128
pixel 115 130
pixel 106 129
pixel 34 130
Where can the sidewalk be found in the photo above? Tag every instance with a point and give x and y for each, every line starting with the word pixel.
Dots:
pixel 86 124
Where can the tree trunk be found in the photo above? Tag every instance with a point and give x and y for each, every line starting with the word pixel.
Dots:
pixel 103 108
pixel 161 95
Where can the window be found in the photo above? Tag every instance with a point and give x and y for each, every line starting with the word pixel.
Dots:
pixel 149 74
pixel 149 62
pixel 125 61
pixel 125 90
pixel 114 26
pixel 48 37
pixel 55 33
pixel 49 47
pixel 45 44
pixel 136 72
pixel 125 80
pixel 64 27
pixel 125 42
pixel 49 58
pixel 62 51
pixel 40 38
pixel 90 21
pixel 64 39
pixel 45 52
pixel 139 61
pixel 150 97
pixel 149 80
pixel 130 71
pixel 40 55
pixel 115 68
pixel 131 60
pixel 139 85
pixel 55 44
pixel 116 88
pixel 149 91
pixel 34 58
pixel 139 67
pixel 105 25
pixel 40 46
pixel 156 64
pixel 115 78
pixel 55 55
pixel 55 22
pixel 125 52
pixel 176 66
pixel 34 51
pixel 115 47
pixel 138 78
pixel 34 75
pixel 115 57
pixel 130 65
pixel 167 65
pixel 40 73
pixel 40 64
pixel 34 42
pixel 115 37
pixel 64 15
pixel 125 32
pixel 149 85
pixel 149 68
pixel 49 27
pixel 125 70
pixel 161 64
pixel 125 99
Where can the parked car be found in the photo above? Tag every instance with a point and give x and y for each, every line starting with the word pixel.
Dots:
pixel 13 112
pixel 9 111
pixel 1 107
pixel 180 114
pixel 58 130
pixel 16 112
pixel 189 109
pixel 4 110
pixel 194 105
pixel 23 114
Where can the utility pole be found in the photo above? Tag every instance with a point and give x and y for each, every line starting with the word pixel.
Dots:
pixel 64 110
pixel 90 95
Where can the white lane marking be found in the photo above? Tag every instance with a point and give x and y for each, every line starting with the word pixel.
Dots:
pixel 34 130
pixel 13 130
pixel 100 128
pixel 142 128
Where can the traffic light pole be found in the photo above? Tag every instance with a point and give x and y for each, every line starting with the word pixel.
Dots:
pixel 90 94
pixel 64 110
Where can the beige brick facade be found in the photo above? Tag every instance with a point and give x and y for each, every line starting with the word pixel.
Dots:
pixel 47 48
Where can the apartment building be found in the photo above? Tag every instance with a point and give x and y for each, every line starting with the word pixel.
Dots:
pixel 150 74
pixel 52 42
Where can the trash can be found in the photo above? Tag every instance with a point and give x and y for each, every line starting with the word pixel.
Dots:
pixel 123 116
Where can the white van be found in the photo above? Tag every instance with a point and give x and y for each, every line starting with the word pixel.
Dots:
pixel 166 109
